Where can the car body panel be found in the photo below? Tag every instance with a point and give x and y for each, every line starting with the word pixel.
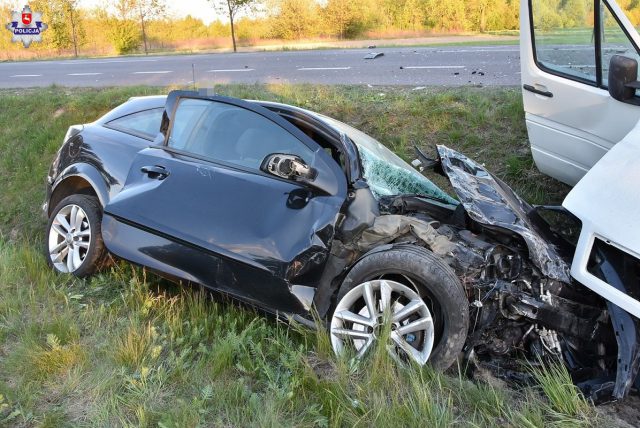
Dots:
pixel 490 202
pixel 99 155
pixel 607 202
pixel 271 232
pixel 181 261
pixel 87 172
pixel 570 131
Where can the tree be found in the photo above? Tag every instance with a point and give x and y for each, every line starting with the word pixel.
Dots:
pixel 232 8
pixel 294 19
pixel 547 16
pixel 343 17
pixel 146 10
pixel 65 24
pixel 122 28
pixel 412 14
pixel 575 13
pixel 77 33
pixel 447 15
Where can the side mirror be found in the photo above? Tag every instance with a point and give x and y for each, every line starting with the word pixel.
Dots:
pixel 623 75
pixel 290 167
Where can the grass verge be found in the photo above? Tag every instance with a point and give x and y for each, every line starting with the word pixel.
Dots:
pixel 127 349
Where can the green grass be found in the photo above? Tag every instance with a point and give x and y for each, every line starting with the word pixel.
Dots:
pixel 125 348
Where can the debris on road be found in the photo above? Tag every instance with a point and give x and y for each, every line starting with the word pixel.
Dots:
pixel 373 55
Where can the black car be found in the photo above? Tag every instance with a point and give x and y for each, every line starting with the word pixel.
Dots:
pixel 300 214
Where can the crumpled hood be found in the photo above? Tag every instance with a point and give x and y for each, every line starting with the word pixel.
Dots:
pixel 489 201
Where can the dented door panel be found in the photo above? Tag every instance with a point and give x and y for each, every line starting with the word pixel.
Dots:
pixel 278 230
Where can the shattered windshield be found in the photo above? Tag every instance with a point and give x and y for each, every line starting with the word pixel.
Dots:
pixel 385 172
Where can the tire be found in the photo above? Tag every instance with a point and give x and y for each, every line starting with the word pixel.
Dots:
pixel 92 254
pixel 435 283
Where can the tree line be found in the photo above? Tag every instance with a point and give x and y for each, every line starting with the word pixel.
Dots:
pixel 125 26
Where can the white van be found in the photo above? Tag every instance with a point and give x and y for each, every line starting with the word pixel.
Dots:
pixel 576 103
pixel 583 112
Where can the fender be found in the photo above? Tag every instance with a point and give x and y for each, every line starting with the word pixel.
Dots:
pixel 89 173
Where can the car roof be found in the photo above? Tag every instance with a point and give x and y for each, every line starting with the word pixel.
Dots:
pixel 136 104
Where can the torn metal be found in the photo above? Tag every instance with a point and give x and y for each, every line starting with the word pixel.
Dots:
pixel 373 55
pixel 489 201
pixel 523 302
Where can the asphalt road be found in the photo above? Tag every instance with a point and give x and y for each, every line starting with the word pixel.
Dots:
pixel 451 66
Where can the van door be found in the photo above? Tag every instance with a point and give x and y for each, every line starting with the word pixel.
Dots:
pixel 565 49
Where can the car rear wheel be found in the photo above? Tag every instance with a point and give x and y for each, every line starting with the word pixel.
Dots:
pixel 74 240
pixel 416 293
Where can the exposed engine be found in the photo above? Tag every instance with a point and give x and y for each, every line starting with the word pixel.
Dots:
pixel 518 316
pixel 514 265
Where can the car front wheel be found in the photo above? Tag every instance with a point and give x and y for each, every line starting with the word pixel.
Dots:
pixel 407 296
pixel 74 240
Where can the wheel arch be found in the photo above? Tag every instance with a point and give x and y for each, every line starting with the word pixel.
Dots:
pixel 78 178
pixel 439 284
pixel 379 249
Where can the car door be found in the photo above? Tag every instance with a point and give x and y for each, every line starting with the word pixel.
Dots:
pixel 565 47
pixel 199 207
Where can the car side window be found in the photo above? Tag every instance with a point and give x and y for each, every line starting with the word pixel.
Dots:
pixel 144 123
pixel 614 42
pixel 563 33
pixel 231 134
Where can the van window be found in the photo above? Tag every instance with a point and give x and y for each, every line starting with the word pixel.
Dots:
pixel 614 42
pixel 563 33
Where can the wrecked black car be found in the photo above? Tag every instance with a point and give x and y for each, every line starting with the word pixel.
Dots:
pixel 300 214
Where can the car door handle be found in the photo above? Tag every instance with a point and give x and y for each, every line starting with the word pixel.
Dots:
pixel 155 171
pixel 535 90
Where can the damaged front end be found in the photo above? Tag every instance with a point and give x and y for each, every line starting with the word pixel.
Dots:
pixel 514 267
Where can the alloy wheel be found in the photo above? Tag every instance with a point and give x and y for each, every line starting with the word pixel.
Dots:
pixel 69 238
pixel 361 314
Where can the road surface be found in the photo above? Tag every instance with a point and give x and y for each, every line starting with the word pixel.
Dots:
pixel 422 66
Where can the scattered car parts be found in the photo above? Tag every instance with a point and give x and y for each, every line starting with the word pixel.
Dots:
pixel 373 55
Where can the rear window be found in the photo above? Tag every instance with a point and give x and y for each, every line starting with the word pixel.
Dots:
pixel 145 124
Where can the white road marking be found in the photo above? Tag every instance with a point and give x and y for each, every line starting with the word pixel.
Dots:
pixel 474 50
pixel 153 72
pixel 433 66
pixel 26 75
pixel 322 68
pixel 83 74
pixel 230 70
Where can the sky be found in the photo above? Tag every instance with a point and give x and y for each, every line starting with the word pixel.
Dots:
pixel 202 9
